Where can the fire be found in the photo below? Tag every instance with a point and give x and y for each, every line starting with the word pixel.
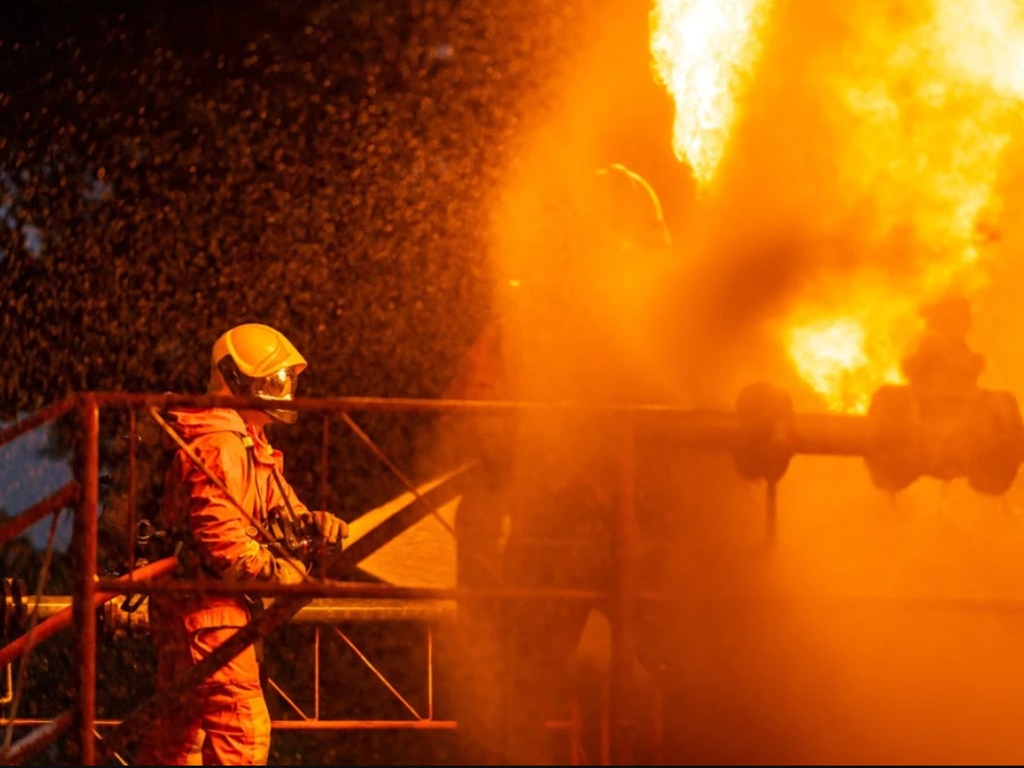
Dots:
pixel 928 119
pixel 922 100
pixel 982 40
pixel 702 49
pixel 838 359
pixel 928 109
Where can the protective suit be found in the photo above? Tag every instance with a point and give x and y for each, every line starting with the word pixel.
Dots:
pixel 216 521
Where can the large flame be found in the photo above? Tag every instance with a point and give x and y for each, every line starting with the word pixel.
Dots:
pixel 929 109
pixel 924 99
pixel 839 360
pixel 702 49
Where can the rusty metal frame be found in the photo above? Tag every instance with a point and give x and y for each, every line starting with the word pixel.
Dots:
pixel 89 591
pixel 814 434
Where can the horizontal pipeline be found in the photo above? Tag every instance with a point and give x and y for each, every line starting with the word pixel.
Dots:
pixel 320 611
pixel 312 725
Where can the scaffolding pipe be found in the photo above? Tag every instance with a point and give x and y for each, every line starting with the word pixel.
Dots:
pixel 623 543
pixel 319 611
pixel 37 739
pixel 332 588
pixel 823 434
pixel 313 724
pixel 816 434
pixel 65 497
pixel 84 544
pixel 37 419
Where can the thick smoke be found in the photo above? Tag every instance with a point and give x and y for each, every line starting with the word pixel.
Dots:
pixel 874 629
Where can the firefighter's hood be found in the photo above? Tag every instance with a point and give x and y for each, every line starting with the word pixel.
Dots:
pixel 191 423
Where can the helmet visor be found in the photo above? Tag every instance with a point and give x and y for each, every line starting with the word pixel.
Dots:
pixel 280 385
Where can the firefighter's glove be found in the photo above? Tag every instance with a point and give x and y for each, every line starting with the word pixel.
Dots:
pixel 327 529
pixel 283 571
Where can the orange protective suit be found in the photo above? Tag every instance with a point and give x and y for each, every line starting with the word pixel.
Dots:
pixel 225 721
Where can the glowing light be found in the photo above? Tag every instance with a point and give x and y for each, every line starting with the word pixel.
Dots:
pixel 923 138
pixel 835 357
pixel 928 107
pixel 702 50
pixel 922 100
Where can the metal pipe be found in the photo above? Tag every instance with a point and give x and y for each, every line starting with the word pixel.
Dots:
pixel 318 725
pixel 63 615
pixel 8 696
pixel 324 610
pixel 378 674
pixel 828 433
pixel 44 734
pixel 65 497
pixel 364 725
pixel 623 542
pixel 430 673
pixel 831 434
pixel 825 434
pixel 316 673
pixel 132 471
pixel 37 419
pixel 84 596
pixel 330 588
pixel 381 404
pixel 328 610
pixel 335 611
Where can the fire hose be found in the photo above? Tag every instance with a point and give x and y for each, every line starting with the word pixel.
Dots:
pixel 63 618
pixel 177 694
pixel 185 686
pixel 46 629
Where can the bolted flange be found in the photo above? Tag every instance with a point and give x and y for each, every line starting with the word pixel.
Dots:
pixel 765 442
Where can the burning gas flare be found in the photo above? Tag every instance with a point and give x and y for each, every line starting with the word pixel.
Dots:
pixel 840 362
pixel 929 108
pixel 702 50
pixel 924 98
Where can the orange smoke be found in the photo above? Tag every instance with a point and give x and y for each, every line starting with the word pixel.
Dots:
pixel 923 100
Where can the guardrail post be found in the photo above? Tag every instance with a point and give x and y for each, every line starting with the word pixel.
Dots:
pixel 84 543
pixel 622 589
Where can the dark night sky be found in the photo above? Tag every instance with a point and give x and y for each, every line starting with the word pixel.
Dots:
pixel 171 169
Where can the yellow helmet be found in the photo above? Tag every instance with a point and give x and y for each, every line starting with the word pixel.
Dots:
pixel 254 360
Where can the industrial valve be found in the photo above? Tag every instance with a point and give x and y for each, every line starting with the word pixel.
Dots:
pixel 978 435
pixel 942 424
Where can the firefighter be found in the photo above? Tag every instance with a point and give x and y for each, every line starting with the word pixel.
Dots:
pixel 215 503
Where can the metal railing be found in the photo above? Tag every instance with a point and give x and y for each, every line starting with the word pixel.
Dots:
pixel 332 603
pixel 762 438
